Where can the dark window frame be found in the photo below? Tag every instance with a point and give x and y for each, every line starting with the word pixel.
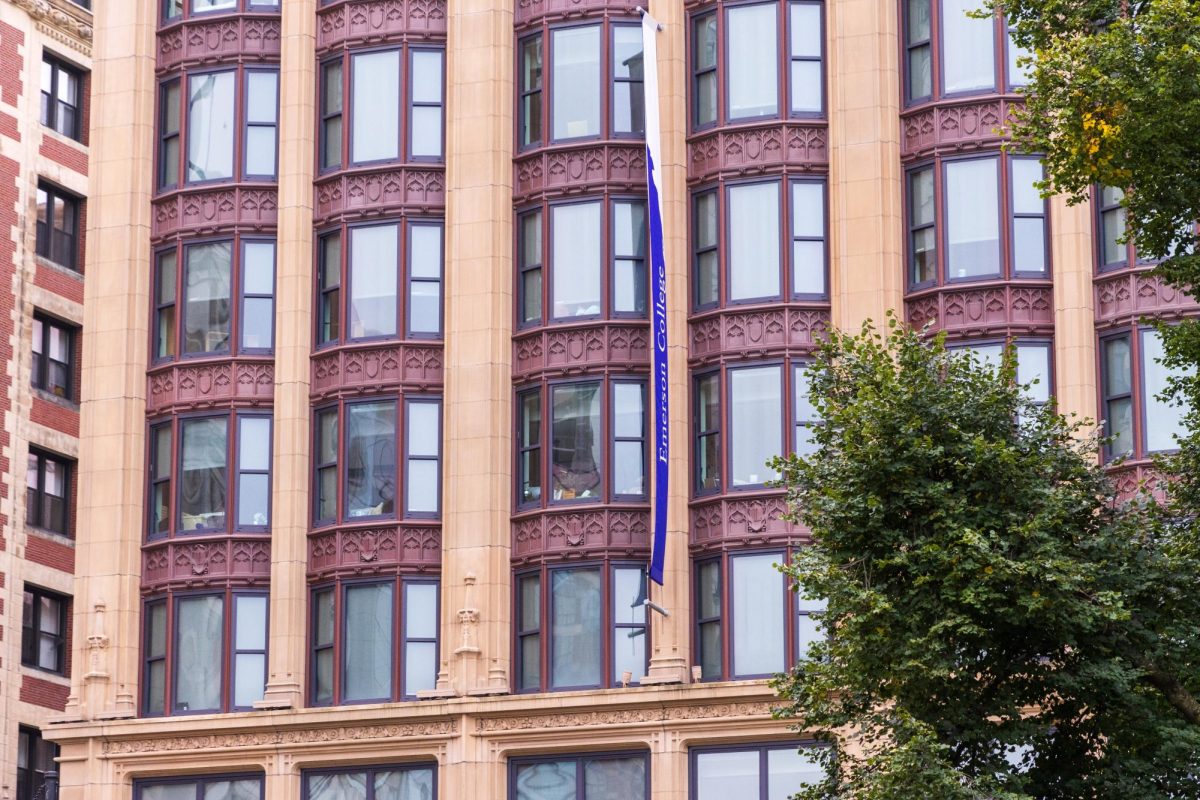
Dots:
pixel 1001 79
pixel 1107 398
pixel 186 11
pixel 527 267
pixel 1008 167
pixel 32 629
pixel 51 111
pixel 614 80
pixel 35 515
pixel 247 124
pixel 792 58
pixel 786 404
pixel 696 72
pixel 39 756
pixel 643 440
pixel 580 760
pixel 699 249
pixel 700 434
pixel 200 782
pixel 409 457
pixel 414 104
pixel 762 748
pixel 169 135
pixel 409 279
pixel 369 770
pixel 789 255
pixel 51 239
pixel 526 94
pixel 40 371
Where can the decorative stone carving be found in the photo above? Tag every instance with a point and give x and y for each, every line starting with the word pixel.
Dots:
pixel 1122 298
pixel 564 350
pixel 999 309
pixel 349 24
pixel 738 520
pixel 411 190
pixel 579 169
pixel 558 533
pixel 182 386
pixel 536 11
pixel 206 41
pixel 748 332
pixel 388 367
pixel 796 146
pixel 379 548
pixel 76 23
pixel 213 211
pixel 954 126
pixel 209 560
pixel 275 738
pixel 97 644
pixel 624 716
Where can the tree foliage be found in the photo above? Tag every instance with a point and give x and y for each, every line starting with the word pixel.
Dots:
pixel 1002 626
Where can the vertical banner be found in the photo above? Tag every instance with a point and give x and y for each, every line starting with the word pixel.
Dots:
pixel 658 296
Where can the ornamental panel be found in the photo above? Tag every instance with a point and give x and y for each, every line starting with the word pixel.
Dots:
pixel 953 127
pixel 204 212
pixel 579 169
pixel 797 147
pixel 185 387
pixel 374 549
pixel 996 309
pixel 358 23
pixel 533 11
pixel 1122 298
pixel 188 562
pixel 207 41
pixel 358 195
pixel 559 534
pixel 573 350
pixel 737 333
pixel 381 367
pixel 742 521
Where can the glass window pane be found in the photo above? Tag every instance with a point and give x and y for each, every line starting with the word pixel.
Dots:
pixel 1018 74
pixel 531 464
pixel 805 29
pixel 169 791
pixel 425 247
pixel 547 781
pixel 254 492
pixel 251 616
pixel 628 416
pixel 789 770
pixel 156 680
pixel 207 298
pixel 756 414
pixel 339 786
pixel 249 681
pixel 1033 362
pixel 156 637
pixel 407 784
pixel 258 267
pixel 370 459
pixel 373 271
pixel 375 106
pixel 424 437
pixel 426 76
pixel 426 131
pixel 260 150
pixel 758 609
pixel 368 646
pixel 258 323
pixel 1026 172
pixel 972 218
pixel 254 446
pixel 1117 372
pixel 629 110
pixel 262 90
pixel 720 776
pixel 531 587
pixel 327 438
pixel 531 82
pixel 1113 222
pixel 629 592
pixel 1029 244
pixel 615 779
pixel 420 667
pixel 332 87
pixel 753 241
pixel 752 61
pixel 211 119
pixel 575 104
pixel 421 610
pixel 575 252
pixel 577 438
pixel 199 629
pixel 575 635
pixel 918 20
pixel 531 665
pixel 806 86
pixel 1164 418
pixel 968 48
pixel 202 484
pixel 422 490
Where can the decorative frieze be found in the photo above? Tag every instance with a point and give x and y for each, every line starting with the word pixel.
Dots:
pixel 735 333
pixel 624 716
pixel 559 533
pixel 357 369
pixel 203 41
pixel 193 562
pixel 1000 309
pixel 731 152
pixel 530 12
pixel 1122 298
pixel 186 386
pixel 357 195
pixel 348 24
pixel 573 350
pixel 205 212
pixel 952 127
pixel 579 169
pixel 741 521
pixel 277 738
pixel 374 548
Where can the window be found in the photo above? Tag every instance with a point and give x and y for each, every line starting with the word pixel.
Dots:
pixel 201 496
pixel 704 70
pixel 168 134
pixel 415 782
pixel 216 277
pixel 425 279
pixel 963 58
pixel 754 256
pixel 57 226
pixel 576 437
pixel 211 118
pixel 1164 417
pixel 706 259
pixel 1029 240
pixel 530 116
pixel 922 233
pixel 972 218
pixel 968 49
pixel 708 433
pixel 575 259
pixel 629 104
pixel 53 357
pixel 806 35
pixel 629 440
pixel 757 772
pixel 529 440
pixel 229 787
pixel 329 278
pixel 1033 364
pixel 61 96
pixel 365 93
pixel 588 777
pixel 1114 251
pixel 751 43
pixel 1019 74
pixel 530 262
pixel 44 630
pixel 804 415
pixel 173 9
pixel 629 257
pixel 374 640
pixel 211 636
pixel 919 49
pixel 575 82
pixel 370 450
pixel 808 237
pixel 48 492
pixel 1143 421
pixel 35 757
pixel 1117 382
pixel 755 411
pixel 262 113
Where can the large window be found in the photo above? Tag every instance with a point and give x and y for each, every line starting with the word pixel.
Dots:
pixel 58 215
pixel 773 62
pixel 175 9
pixel 748 623
pixel 1033 364
pixel 597 435
pixel 588 777
pixel 205 122
pixel 191 462
pixel 580 626
pixel 382 106
pixel 373 640
pixel 227 299
pixel 204 652
pixel 961 58
pixel 223 787
pixel 399 782
pixel 35 757
pixel 44 630
pixel 48 492
pixel 991 217
pixel 62 96
pixel 363 441
pixel 591 68
pixel 1138 416
pixel 755 772
pixel 53 365
pixel 366 259
pixel 758 217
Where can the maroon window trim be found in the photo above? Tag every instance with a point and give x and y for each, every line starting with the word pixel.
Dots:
pixel 166 18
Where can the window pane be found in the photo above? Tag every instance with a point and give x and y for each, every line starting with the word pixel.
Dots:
pixel 200 626
pixel 169 791
pixel 233 790
pixel 789 770
pixel 251 615
pixel 368 648
pixel 575 464
pixel 207 298
pixel 260 150
pixel 1018 75
pixel 808 220
pixel 615 779
pixel 972 221
pixel 968 48
pixel 373 269
pixel 575 251
pixel 420 667
pixel 1113 222
pixel 920 71
pixel 629 457
pixel 340 786
pixel 918 20
pixel 375 106
pixel 1164 418
pixel 546 781
pixel 758 606
pixel 211 119
pixel 426 76
pixel 408 784
pixel 629 643
pixel 629 109
pixel 721 776
pixel 629 247
pixel 575 633
pixel 425 298
pixel 707 279
pixel 1116 367
pixel 202 484
pixel 575 104
pixel 254 448
pixel 805 29
pixel 422 491
pixel 250 670
pixel 531 82
pixel 1029 244
pixel 756 412
pixel 1026 172
pixel 424 438
pixel 752 61
pixel 327 423
pixel 156 624
pixel 531 462
pixel 254 500
pixel 166 316
pixel 421 611
pixel 753 240
pixel 370 459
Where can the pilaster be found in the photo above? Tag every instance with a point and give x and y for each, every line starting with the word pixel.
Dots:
pixel 1074 308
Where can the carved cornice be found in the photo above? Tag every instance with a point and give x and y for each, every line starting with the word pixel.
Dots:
pixel 379 21
pixel 997 309
pixel 588 168
pixel 734 520
pixel 413 189
pixel 530 13
pixel 358 369
pixel 194 562
pixel 563 350
pixel 1124 297
pixel 794 147
pixel 736 333
pixel 955 126
pixel 232 39
pixel 276 738
pixel 380 548
pixel 183 386
pixel 556 534
pixel 64 21
pixel 619 717
pixel 221 210
pixel 1130 476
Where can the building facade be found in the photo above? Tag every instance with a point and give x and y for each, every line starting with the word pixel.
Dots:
pixel 45 59
pixel 363 508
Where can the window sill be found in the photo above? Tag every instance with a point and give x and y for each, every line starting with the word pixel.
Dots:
pixel 50 397
pixel 42 261
pixel 45 674
pixel 49 535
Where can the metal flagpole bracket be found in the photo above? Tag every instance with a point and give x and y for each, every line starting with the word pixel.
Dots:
pixel 656 607
pixel 644 12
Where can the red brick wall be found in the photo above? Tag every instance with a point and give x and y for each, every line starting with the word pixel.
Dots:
pixel 54 416
pixel 44 693
pixel 11 40
pixel 50 553
pixel 60 152
pixel 62 284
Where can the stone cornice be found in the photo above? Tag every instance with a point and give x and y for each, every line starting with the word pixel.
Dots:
pixel 61 20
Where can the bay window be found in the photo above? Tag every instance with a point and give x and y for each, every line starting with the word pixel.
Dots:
pixel 400 782
pixel 373 640
pixel 224 787
pixel 586 777
pixel 1138 416
pixel 204 651
pixel 753 772
pixel 586 629
pixel 963 56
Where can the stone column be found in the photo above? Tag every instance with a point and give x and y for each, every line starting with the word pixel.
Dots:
pixel 293 343
pixel 866 207
pixel 670 636
pixel 1075 380
pixel 477 439
pixel 113 408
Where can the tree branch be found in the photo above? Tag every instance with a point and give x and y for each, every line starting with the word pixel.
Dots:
pixel 1173 690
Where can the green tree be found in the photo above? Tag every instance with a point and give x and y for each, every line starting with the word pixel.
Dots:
pixel 1002 626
